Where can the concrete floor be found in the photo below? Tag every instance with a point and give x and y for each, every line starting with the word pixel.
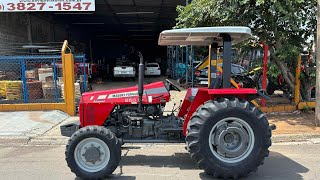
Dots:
pixel 286 162
pixel 29 123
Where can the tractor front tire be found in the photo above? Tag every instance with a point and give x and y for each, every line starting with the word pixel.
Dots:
pixel 228 138
pixel 93 152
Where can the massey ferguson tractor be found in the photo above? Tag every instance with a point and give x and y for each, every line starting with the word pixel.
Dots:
pixel 227 136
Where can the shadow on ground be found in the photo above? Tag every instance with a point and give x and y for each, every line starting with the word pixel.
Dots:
pixel 116 177
pixel 277 166
pixel 180 160
pixel 302 119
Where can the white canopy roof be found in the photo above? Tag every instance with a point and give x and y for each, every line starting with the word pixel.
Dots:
pixel 203 36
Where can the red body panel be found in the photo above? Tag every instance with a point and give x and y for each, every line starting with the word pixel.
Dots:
pixel 95 107
pixel 195 97
pixel 242 91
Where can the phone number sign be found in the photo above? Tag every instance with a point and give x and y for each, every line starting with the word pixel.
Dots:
pixel 46 5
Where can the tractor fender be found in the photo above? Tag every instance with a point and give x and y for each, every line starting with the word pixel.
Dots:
pixel 196 97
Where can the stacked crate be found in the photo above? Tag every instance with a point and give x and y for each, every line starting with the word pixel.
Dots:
pixel 46 76
pixel 77 90
pixel 3 76
pixel 44 73
pixel 32 74
pixel 13 90
pixel 3 89
pixel 34 89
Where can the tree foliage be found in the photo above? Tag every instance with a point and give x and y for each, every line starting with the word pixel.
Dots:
pixel 285 25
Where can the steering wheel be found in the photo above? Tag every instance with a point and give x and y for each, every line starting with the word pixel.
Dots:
pixel 171 86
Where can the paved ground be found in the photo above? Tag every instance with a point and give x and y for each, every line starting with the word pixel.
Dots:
pixel 286 162
pixel 29 123
pixel 42 128
pixel 31 148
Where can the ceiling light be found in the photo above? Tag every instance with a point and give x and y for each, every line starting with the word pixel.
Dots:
pixel 34 47
pixel 128 13
pixel 139 30
pixel 89 23
pixel 142 35
pixel 112 39
pixel 108 35
pixel 132 23
pixel 48 50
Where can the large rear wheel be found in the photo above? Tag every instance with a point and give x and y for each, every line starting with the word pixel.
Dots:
pixel 93 152
pixel 228 137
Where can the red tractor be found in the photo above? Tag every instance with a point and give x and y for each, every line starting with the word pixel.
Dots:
pixel 226 135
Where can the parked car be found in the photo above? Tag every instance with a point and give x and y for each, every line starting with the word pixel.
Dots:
pixel 124 69
pixel 238 73
pixel 152 69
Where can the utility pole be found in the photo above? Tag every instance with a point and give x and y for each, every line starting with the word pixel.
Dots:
pixel 317 119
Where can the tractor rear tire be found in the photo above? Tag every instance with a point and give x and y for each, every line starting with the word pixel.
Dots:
pixel 93 152
pixel 228 138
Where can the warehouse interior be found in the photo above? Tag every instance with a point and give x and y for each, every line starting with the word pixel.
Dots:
pixel 118 26
pixel 31 42
pixel 31 68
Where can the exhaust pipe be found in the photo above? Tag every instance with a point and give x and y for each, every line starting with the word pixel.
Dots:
pixel 140 82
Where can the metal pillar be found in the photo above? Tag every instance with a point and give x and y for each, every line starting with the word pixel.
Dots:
pixel 181 62
pixel 24 80
pixel 187 64
pixel 174 64
pixel 178 61
pixel 213 81
pixel 192 66
pixel 226 75
pixel 169 60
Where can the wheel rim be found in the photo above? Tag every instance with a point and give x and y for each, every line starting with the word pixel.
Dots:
pixel 231 140
pixel 92 154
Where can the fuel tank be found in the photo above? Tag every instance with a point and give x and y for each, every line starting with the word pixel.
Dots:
pixel 95 107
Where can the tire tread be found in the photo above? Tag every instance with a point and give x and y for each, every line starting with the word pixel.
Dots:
pixel 98 130
pixel 200 117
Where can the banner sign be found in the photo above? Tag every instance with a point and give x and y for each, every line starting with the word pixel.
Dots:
pixel 46 5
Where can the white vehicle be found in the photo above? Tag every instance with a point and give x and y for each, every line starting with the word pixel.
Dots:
pixel 152 69
pixel 124 69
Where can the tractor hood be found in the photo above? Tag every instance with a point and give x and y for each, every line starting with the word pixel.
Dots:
pixel 154 93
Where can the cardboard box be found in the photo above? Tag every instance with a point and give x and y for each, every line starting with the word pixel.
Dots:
pixel 44 73
pixel 32 74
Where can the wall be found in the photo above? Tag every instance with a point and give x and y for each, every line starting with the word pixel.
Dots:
pixel 14 29
pixel 42 29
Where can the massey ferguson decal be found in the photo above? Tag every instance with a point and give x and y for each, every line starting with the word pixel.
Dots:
pixel 100 98
pixel 121 95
